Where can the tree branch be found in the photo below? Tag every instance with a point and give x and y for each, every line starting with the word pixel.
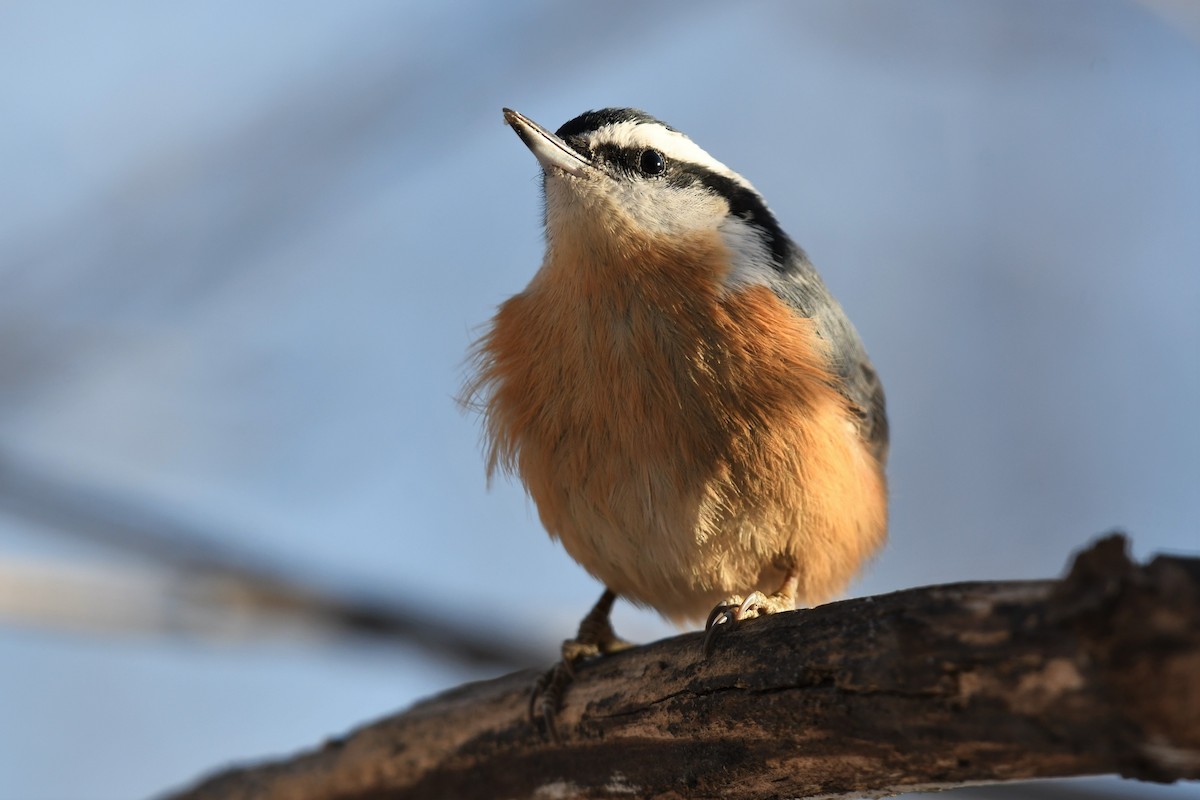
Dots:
pixel 924 688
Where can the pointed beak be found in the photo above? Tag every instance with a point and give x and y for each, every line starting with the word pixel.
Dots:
pixel 550 151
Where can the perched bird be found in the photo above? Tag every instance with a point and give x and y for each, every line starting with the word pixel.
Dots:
pixel 688 406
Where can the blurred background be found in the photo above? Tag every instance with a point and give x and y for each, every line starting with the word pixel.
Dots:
pixel 244 248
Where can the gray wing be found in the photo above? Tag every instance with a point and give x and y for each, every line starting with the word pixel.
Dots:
pixel 801 287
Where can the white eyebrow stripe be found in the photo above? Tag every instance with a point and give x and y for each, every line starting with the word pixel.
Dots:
pixel 673 144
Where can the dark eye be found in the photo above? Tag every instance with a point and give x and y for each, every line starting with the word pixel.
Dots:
pixel 651 162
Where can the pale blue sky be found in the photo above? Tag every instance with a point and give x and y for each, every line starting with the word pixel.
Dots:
pixel 243 249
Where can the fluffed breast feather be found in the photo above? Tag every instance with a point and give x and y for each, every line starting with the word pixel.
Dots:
pixel 683 441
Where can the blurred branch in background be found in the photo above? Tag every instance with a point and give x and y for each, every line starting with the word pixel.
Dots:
pixel 188 583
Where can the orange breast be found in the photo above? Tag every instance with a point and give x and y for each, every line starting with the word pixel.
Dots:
pixel 684 442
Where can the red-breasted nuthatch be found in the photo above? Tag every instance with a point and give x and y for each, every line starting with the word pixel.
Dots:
pixel 690 409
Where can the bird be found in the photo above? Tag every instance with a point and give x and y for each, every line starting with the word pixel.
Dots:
pixel 692 412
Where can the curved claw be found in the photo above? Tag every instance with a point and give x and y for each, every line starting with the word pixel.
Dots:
pixel 550 720
pixel 734 610
pixel 729 612
pixel 595 638
pixel 546 697
pixel 712 616
pixel 539 686
pixel 754 603
pixel 716 620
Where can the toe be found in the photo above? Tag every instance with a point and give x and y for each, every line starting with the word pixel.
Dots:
pixel 731 602
pixel 545 699
pixel 755 603
pixel 550 721
pixel 735 609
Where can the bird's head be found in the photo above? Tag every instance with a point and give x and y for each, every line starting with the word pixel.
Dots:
pixel 617 179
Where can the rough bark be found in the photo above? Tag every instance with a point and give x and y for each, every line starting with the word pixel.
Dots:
pixel 925 688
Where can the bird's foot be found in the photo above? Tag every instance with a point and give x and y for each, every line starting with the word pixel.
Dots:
pixel 735 608
pixel 595 638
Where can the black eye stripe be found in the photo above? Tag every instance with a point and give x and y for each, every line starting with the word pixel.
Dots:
pixel 636 161
pixel 742 201
pixel 609 153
